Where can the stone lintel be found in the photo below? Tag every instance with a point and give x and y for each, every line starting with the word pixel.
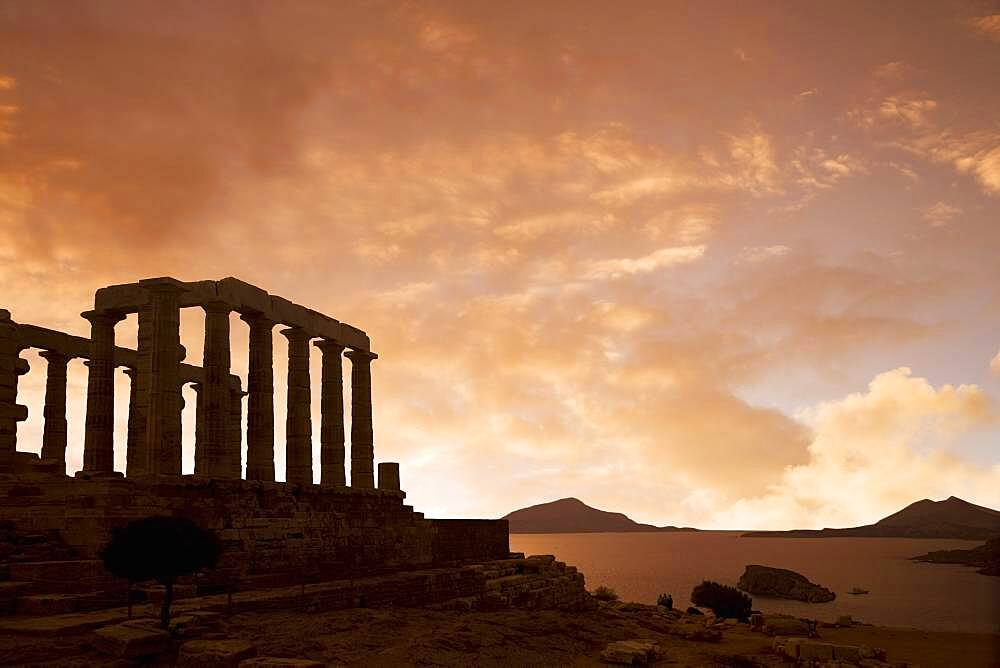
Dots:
pixel 241 297
pixel 33 336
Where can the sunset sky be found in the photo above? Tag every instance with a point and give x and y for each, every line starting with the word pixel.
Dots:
pixel 731 265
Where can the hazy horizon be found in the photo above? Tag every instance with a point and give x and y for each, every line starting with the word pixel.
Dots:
pixel 705 267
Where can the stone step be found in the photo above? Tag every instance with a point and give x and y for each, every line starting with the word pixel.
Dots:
pixel 65 576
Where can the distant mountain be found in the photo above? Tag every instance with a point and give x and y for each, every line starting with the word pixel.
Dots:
pixel 951 518
pixel 574 516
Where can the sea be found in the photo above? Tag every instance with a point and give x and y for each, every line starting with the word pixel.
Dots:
pixel 933 597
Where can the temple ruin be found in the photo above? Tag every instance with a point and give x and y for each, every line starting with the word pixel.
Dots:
pixel 52 526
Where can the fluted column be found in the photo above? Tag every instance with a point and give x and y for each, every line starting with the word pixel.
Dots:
pixel 215 390
pixel 10 411
pixel 162 364
pixel 54 412
pixel 362 435
pixel 298 421
pixel 331 434
pixel 234 431
pixel 260 404
pixel 135 435
pixel 99 435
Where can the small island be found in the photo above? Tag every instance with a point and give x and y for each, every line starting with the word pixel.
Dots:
pixel 571 515
pixel 950 518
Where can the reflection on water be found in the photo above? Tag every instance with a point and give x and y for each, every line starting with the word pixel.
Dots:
pixel 903 593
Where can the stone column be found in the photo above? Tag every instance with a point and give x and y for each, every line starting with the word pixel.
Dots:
pixel 298 422
pixel 54 430
pixel 138 409
pixel 99 437
pixel 362 436
pixel 215 397
pixel 135 435
pixel 260 405
pixel 331 434
pixel 10 411
pixel 200 465
pixel 388 476
pixel 162 364
pixel 234 431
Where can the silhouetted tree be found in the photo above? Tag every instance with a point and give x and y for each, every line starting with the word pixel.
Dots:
pixel 162 549
pixel 722 600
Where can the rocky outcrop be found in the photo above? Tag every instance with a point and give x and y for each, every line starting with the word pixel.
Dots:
pixel 782 583
pixel 986 557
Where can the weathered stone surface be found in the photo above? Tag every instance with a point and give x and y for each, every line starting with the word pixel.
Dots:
pixel 214 653
pixel 782 583
pixel 131 641
pixel 630 652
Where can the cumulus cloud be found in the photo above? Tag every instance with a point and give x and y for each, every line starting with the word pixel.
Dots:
pixel 873 452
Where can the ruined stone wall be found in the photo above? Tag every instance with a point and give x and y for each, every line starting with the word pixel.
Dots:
pixel 270 531
pixel 466 540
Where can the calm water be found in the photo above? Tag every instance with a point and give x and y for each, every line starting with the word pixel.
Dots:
pixel 639 566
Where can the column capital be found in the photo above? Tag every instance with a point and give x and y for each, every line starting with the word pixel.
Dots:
pixel 296 334
pixel 103 317
pixel 55 357
pixel 257 319
pixel 217 306
pixel 358 356
pixel 130 372
pixel 329 346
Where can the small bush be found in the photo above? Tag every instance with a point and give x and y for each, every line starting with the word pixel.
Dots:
pixel 603 593
pixel 722 600
pixel 665 601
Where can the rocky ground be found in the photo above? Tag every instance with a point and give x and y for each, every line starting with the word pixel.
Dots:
pixel 421 637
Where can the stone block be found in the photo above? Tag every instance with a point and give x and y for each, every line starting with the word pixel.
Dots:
pixel 630 652
pixel 848 653
pixel 131 641
pixel 214 653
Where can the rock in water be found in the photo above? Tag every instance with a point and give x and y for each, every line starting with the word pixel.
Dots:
pixel 782 583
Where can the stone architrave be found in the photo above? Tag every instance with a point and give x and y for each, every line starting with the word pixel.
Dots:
pixel 54 412
pixel 362 434
pixel 99 435
pixel 260 401
pixel 298 421
pixel 332 414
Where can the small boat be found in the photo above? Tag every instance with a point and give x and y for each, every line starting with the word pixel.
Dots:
pixel 856 591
